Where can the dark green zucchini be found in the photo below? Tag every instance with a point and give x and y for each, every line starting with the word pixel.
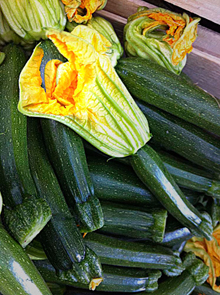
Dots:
pixel 115 279
pixel 204 289
pixel 183 138
pixel 61 239
pixel 18 275
pixel 190 177
pixel 151 170
pixel 118 183
pixel 66 152
pixel 148 81
pixel 57 289
pixel 195 274
pixel 133 222
pixel 67 155
pixel 24 213
pixel 175 233
pixel 118 252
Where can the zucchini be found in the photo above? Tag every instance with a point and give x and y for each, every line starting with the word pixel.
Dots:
pixel 24 214
pixel 195 274
pixel 61 239
pixel 190 177
pixel 151 170
pixel 183 138
pixel 133 222
pixel 118 252
pixel 66 153
pixel 175 233
pixel 118 183
pixel 148 81
pixel 204 289
pixel 115 279
pixel 18 275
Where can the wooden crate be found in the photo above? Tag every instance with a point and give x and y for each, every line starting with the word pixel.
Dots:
pixel 203 63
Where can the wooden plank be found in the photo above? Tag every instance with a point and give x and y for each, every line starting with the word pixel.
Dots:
pixel 207 9
pixel 203 64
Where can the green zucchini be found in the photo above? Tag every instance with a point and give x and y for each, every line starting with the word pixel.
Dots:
pixel 118 183
pixel 66 152
pixel 24 214
pixel 151 170
pixel 190 177
pixel 204 289
pixel 175 233
pixel 57 289
pixel 118 252
pixel 133 222
pixel 183 138
pixel 115 279
pixel 61 239
pixel 195 274
pixel 18 275
pixel 148 81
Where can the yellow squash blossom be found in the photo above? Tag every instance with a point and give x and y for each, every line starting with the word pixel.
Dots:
pixel 209 252
pixel 31 19
pixel 160 35
pixel 80 11
pixel 83 91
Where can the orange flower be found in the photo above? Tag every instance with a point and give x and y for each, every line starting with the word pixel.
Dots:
pixel 209 252
pixel 81 11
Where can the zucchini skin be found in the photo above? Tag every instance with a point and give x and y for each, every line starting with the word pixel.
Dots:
pixel 174 94
pixel 195 274
pixel 190 177
pixel 24 214
pixel 17 272
pixel 66 153
pixel 114 251
pixel 115 279
pixel 133 222
pixel 115 182
pixel 151 170
pixel 61 239
pixel 183 138
pixel 204 289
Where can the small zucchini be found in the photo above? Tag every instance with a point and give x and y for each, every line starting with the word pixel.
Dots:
pixel 134 222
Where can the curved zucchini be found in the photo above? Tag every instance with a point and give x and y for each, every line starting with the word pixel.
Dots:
pixel 148 81
pixel 183 138
pixel 24 214
pixel 118 252
pixel 133 222
pixel 61 239
pixel 18 275
pixel 115 279
pixel 151 170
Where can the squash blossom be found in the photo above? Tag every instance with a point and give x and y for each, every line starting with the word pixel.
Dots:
pixel 80 11
pixel 30 19
pixel 160 35
pixel 6 33
pixel 209 252
pixel 105 28
pixel 85 93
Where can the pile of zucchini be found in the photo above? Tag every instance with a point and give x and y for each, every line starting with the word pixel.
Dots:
pixel 75 220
